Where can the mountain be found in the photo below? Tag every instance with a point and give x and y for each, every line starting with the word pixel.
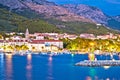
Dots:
pixel 89 12
pixel 57 12
pixel 18 4
pixel 94 14
pixel 117 18
pixel 66 18
pixel 114 22
pixel 12 4
pixel 42 7
pixel 42 2
pixel 13 22
pixel 109 7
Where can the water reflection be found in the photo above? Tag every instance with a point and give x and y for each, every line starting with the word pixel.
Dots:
pixel 72 55
pixel 9 71
pixel 1 65
pixel 107 79
pixel 106 67
pixel 44 67
pixel 88 78
pixel 50 59
pixel 50 68
pixel 1 58
pixel 29 67
pixel 92 75
pixel 119 56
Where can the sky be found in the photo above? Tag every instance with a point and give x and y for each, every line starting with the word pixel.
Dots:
pixel 109 7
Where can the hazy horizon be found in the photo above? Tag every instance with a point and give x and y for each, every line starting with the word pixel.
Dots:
pixel 109 7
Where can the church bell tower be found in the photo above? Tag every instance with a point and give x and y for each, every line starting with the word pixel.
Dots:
pixel 27 34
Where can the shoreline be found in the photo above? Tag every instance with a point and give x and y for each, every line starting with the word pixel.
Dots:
pixel 53 52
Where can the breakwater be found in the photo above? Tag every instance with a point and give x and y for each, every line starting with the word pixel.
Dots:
pixel 98 63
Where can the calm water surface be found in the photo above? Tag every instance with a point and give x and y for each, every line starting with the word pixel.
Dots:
pixel 57 67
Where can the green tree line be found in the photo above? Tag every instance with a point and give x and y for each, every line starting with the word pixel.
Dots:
pixel 88 45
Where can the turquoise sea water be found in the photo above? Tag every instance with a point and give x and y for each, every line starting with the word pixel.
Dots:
pixel 56 67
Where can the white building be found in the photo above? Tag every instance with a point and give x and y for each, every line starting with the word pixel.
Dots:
pixel 40 37
pixel 87 36
pixel 40 45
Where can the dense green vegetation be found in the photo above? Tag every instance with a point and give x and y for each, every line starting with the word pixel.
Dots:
pixel 88 45
pixel 28 13
pixel 13 22
pixel 81 27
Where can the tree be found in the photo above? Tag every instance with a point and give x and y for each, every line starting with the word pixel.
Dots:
pixel 24 47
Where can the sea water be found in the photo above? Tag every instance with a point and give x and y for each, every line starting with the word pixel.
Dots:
pixel 55 67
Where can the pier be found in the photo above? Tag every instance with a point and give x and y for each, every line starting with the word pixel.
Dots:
pixel 98 63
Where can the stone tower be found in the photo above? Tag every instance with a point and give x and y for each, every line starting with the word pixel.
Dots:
pixel 27 34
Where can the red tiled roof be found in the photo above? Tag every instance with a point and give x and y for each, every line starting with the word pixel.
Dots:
pixel 18 41
pixel 37 41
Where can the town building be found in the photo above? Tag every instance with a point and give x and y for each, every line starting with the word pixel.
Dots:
pixel 87 36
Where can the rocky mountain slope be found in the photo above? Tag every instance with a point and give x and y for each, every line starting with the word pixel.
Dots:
pixel 17 4
pixel 94 14
pixel 46 9
pixel 12 4
pixel 59 14
pixel 89 12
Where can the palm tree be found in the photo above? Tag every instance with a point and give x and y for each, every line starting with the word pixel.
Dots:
pixel 24 47
pixel 33 48
pixel 17 47
pixel 42 48
pixel 10 48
